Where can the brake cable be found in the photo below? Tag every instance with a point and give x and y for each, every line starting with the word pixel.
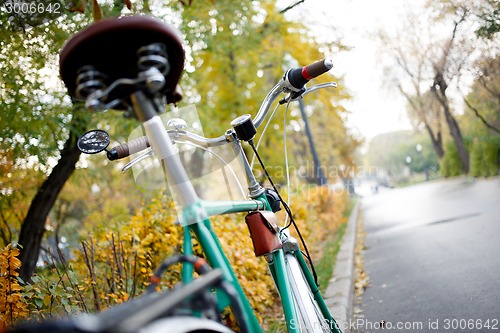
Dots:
pixel 288 211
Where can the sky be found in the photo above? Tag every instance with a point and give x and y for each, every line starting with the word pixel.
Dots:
pixel 375 107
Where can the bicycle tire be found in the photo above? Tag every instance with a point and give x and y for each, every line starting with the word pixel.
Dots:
pixel 310 316
pixel 186 325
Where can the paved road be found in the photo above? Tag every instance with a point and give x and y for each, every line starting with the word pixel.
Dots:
pixel 433 258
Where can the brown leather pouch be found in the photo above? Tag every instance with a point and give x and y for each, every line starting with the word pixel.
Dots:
pixel 263 227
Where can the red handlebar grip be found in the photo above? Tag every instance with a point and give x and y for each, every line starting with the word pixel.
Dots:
pixel 316 69
pixel 298 77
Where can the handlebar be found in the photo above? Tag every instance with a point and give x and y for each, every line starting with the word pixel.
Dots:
pixel 124 150
pixel 129 148
pixel 293 80
pixel 298 77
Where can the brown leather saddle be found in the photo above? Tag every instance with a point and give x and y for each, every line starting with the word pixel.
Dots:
pixel 111 47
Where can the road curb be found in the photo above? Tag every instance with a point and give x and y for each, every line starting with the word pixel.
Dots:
pixel 340 291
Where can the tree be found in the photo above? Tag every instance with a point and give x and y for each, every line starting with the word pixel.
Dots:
pixel 238 52
pixel 446 67
pixel 489 15
pixel 36 120
pixel 394 153
pixel 485 12
pixel 410 51
pixel 484 99
pixel 481 119
pixel 33 228
pixel 466 16
pixel 425 110
pixel 431 63
pixel 42 124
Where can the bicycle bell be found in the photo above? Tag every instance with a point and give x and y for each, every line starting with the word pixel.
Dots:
pixel 244 127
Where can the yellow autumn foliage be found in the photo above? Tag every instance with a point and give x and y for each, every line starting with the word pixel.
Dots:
pixel 122 263
pixel 12 305
pixel 112 267
pixel 117 266
pixel 318 212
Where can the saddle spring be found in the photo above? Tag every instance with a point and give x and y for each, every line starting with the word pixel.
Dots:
pixel 153 55
pixel 89 80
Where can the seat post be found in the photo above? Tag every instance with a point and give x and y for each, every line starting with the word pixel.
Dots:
pixel 144 108
pixel 161 143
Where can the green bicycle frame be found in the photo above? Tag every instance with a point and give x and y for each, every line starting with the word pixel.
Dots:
pixel 196 214
pixel 217 259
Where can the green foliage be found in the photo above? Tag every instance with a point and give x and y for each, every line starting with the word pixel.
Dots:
pixel 481 121
pixel 383 153
pixel 485 157
pixel 236 54
pixel 394 153
pixel 485 14
pixel 450 165
pixel 36 116
pixel 18 186
pixel 490 19
pixel 35 113
pixel 55 293
pixel 326 265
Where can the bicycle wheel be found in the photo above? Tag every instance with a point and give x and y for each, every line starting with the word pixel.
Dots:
pixel 185 325
pixel 309 313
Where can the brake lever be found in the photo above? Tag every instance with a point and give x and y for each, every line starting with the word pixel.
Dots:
pixel 320 86
pixel 295 95
pixel 136 160
pixel 292 96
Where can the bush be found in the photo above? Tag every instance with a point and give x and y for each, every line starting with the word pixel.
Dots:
pixel 12 305
pixel 484 157
pixel 113 267
pixel 450 165
pixel 318 213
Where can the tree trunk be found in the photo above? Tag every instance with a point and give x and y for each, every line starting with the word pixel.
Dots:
pixel 439 89
pixel 437 141
pixel 420 109
pixel 33 228
pixel 457 137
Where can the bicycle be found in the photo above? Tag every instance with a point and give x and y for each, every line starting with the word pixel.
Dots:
pixel 139 81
